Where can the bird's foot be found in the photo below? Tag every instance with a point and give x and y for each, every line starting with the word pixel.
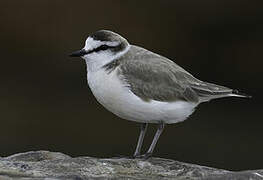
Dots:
pixel 123 157
pixel 142 156
pixel 135 156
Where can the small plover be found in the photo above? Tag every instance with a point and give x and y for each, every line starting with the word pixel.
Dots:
pixel 139 85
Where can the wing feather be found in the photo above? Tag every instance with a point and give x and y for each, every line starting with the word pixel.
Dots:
pixel 154 77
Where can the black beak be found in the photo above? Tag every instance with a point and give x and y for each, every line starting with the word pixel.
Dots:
pixel 79 53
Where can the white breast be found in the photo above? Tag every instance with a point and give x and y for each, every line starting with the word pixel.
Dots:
pixel 114 96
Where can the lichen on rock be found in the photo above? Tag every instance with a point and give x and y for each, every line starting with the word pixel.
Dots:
pixel 45 165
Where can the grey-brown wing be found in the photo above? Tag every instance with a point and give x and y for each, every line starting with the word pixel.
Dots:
pixel 157 78
pixel 153 77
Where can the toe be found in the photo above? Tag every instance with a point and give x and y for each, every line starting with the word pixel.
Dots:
pixel 143 156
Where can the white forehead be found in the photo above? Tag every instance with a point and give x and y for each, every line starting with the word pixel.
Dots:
pixel 92 43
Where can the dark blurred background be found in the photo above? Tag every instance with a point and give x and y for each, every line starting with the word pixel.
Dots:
pixel 46 103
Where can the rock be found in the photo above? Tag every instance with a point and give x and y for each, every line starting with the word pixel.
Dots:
pixel 45 165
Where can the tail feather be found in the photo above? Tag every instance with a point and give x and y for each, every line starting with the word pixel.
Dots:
pixel 236 93
pixel 208 91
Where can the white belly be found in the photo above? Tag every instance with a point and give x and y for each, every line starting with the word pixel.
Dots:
pixel 118 99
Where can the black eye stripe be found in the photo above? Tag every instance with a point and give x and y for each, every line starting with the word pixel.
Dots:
pixel 101 48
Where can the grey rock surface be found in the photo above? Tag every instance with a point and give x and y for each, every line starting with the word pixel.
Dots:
pixel 45 165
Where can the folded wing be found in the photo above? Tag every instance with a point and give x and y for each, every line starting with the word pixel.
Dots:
pixel 153 77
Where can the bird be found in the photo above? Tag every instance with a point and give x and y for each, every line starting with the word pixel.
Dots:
pixel 138 85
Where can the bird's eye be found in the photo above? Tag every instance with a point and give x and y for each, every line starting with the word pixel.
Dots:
pixel 101 48
pixel 104 47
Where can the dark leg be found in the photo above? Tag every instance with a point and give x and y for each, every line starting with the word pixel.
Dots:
pixel 155 139
pixel 137 152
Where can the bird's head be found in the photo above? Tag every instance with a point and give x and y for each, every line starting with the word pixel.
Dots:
pixel 101 48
